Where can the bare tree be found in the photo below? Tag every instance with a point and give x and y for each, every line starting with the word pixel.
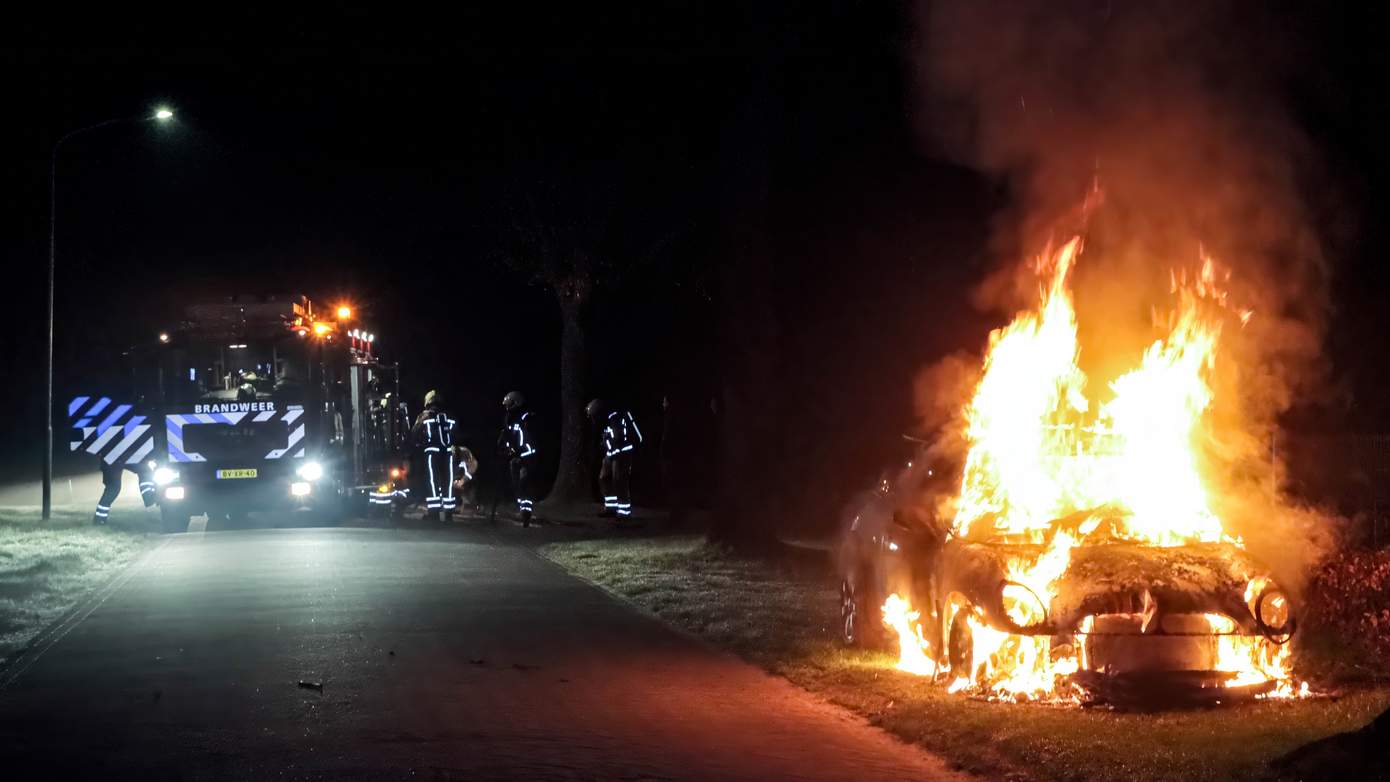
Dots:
pixel 579 230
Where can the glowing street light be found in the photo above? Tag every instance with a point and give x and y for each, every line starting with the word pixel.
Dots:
pixel 162 114
pixel 344 312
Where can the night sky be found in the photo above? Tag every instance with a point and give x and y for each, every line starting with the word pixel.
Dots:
pixel 370 155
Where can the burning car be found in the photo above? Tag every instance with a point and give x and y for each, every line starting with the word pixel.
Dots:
pixel 1118 621
pixel 1073 552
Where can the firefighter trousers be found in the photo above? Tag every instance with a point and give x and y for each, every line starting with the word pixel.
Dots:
pixel 615 481
pixel 439 481
pixel 111 488
pixel 521 489
pixel 521 470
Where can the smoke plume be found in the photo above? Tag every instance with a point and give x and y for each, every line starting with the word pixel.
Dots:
pixel 1161 128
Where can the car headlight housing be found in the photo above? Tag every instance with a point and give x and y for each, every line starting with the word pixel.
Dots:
pixel 310 471
pixel 165 475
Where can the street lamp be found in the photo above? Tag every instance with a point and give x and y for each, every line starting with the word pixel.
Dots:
pixel 161 114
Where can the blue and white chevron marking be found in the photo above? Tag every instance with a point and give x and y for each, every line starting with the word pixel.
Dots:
pixel 115 439
pixel 292 414
pixel 175 423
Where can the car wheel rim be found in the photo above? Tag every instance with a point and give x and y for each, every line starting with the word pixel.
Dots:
pixel 848 610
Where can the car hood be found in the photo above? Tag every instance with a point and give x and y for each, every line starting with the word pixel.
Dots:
pixel 1108 578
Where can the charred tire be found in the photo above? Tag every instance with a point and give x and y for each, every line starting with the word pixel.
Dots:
pixel 172 520
pixel 960 646
pixel 859 621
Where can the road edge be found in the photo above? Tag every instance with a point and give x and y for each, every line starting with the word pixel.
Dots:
pixel 14 666
pixel 948 768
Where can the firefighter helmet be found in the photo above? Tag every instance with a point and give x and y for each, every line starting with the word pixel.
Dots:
pixel 513 400
pixel 594 409
pixel 433 398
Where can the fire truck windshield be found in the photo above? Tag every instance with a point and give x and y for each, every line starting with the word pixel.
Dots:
pixel 243 371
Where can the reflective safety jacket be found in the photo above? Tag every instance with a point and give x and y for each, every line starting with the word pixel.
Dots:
pixel 516 436
pixel 620 434
pixel 434 431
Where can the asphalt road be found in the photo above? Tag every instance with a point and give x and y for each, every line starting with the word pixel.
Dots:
pixel 443 654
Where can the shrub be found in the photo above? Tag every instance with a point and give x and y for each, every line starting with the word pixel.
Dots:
pixel 1347 609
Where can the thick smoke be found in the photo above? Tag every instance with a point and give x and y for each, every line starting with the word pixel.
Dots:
pixel 1168 118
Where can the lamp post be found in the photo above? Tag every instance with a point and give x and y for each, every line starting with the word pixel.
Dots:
pixel 161 114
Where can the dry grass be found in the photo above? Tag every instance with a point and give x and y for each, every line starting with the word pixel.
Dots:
pixel 786 624
pixel 45 569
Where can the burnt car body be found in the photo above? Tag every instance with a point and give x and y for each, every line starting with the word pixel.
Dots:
pixel 1137 616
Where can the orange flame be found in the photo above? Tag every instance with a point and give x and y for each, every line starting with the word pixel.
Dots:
pixel 1042 448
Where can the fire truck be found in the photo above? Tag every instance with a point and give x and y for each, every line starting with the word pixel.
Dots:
pixel 269 404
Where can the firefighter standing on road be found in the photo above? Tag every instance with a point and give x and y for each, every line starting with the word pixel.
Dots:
pixel 111 487
pixel 620 439
pixel 518 447
pixel 433 435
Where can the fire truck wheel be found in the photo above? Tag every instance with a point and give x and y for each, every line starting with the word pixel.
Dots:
pixel 173 519
pixel 332 507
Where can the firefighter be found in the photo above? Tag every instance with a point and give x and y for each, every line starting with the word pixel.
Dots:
pixel 111 487
pixel 465 485
pixel 620 440
pixel 433 436
pixel 517 445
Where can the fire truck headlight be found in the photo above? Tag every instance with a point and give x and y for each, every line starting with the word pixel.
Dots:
pixel 310 471
pixel 173 493
pixel 299 489
pixel 164 476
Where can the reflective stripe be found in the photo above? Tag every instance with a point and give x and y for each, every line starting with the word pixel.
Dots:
pixel 429 469
pixel 449 484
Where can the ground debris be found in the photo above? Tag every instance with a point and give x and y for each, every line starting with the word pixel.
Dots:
pixel 308 685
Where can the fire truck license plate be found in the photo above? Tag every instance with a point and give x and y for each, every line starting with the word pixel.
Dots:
pixel 224 474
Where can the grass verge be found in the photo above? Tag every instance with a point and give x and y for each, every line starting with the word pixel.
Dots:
pixel 786 623
pixel 46 568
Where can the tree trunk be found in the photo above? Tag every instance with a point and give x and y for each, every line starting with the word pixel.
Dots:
pixel 574 479
pixel 747 511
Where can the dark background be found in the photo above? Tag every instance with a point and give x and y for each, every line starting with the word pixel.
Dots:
pixel 370 155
